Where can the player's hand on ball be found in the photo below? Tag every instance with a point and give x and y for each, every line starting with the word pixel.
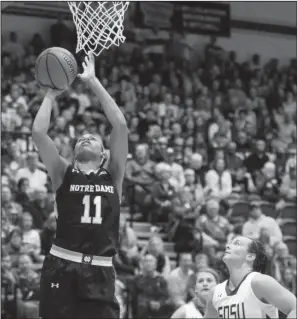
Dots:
pixel 89 68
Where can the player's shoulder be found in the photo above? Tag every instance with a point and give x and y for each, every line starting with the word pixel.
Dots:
pixel 104 173
pixel 259 279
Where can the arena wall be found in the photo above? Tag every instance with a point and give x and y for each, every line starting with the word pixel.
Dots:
pixel 244 42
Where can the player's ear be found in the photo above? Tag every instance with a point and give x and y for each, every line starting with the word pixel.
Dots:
pixel 251 257
pixel 103 157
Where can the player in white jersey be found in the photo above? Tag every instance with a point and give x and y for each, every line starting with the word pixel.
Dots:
pixel 248 293
pixel 206 279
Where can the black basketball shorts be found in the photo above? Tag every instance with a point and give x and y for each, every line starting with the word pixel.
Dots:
pixel 76 290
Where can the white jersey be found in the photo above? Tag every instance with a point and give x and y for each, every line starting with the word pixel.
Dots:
pixel 191 311
pixel 242 302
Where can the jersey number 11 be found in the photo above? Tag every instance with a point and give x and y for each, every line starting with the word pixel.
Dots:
pixel 86 218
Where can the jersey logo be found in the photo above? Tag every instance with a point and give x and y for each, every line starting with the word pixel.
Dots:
pixel 54 285
pixel 219 295
pixel 87 259
pixel 74 170
pixel 102 173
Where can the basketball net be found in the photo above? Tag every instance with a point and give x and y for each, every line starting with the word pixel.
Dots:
pixel 99 25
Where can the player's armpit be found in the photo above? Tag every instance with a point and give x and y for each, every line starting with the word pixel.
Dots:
pixel 269 290
pixel 210 311
pixel 55 164
pixel 118 155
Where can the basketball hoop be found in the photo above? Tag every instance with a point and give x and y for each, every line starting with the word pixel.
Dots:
pixel 99 25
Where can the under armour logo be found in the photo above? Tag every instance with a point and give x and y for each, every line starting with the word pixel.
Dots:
pixel 102 173
pixel 219 295
pixel 54 285
pixel 74 170
pixel 87 259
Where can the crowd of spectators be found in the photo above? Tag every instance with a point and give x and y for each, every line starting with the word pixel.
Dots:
pixel 205 137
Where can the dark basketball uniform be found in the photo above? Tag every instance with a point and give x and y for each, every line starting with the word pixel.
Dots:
pixel 88 223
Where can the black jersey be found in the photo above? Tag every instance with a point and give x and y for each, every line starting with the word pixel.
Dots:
pixel 88 213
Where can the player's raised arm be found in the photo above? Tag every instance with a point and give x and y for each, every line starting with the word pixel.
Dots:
pixel 119 133
pixel 55 164
pixel 267 288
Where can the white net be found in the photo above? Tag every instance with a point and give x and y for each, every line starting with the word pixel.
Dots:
pixel 99 25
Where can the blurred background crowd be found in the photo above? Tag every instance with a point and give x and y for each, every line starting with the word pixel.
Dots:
pixel 212 154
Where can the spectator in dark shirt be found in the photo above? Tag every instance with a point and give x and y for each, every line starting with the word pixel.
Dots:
pixel 233 161
pixel 267 183
pixel 200 170
pixel 242 182
pixel 242 143
pixel 22 197
pixel 61 35
pixel 149 290
pixel 40 207
pixel 256 160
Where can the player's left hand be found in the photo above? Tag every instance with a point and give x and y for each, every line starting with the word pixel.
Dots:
pixel 89 68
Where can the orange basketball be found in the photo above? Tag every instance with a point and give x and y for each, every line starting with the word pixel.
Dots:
pixel 55 68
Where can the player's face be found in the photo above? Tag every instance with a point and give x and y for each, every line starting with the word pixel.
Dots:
pixel 87 147
pixel 204 283
pixel 237 250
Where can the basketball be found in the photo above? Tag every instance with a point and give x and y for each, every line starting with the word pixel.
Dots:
pixel 55 68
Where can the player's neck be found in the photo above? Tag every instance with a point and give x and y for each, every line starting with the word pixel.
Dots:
pixel 236 276
pixel 87 166
pixel 199 302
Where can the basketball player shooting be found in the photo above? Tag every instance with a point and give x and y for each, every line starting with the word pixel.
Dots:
pixel 78 278
pixel 248 293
